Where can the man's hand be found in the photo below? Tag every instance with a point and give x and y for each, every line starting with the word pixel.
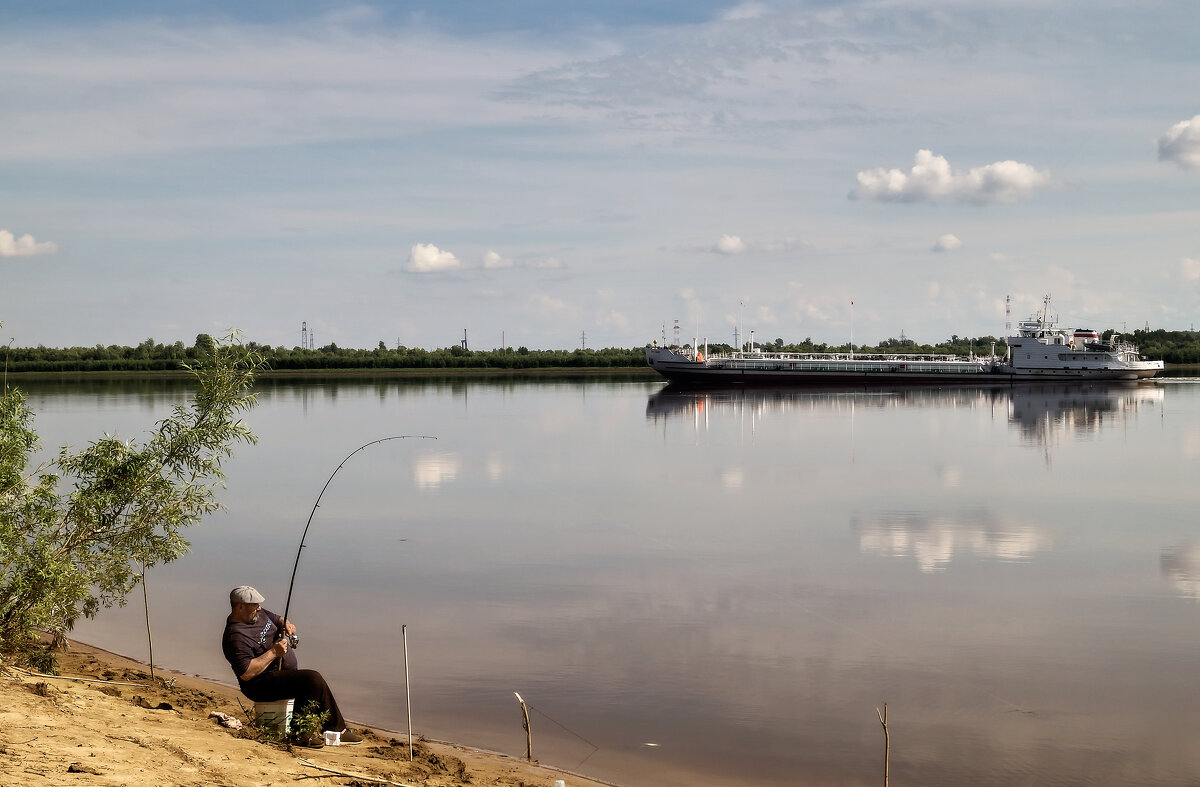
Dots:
pixel 259 664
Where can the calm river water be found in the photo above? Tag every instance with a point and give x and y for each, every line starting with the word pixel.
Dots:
pixel 715 588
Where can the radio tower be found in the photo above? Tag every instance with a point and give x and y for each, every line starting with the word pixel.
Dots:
pixel 583 340
pixel 1008 315
pixel 677 333
pixel 304 334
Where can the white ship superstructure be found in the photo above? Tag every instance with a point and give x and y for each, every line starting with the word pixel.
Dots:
pixel 1041 349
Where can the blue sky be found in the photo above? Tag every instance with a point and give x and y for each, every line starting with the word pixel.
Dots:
pixel 538 172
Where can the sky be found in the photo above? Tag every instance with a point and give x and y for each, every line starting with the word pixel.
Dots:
pixel 557 175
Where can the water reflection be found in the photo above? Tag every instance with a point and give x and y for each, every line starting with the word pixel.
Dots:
pixel 1181 567
pixel 934 540
pixel 1042 412
pixel 679 403
pixel 433 471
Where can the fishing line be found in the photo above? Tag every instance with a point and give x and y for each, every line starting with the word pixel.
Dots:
pixel 595 748
pixel 317 504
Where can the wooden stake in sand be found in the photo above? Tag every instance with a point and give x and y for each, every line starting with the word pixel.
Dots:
pixel 528 732
pixel 407 693
pixel 887 744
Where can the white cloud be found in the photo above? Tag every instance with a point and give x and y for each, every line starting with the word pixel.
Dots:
pixel 492 259
pixel 1181 144
pixel 427 258
pixel 729 244
pixel 547 263
pixel 24 246
pixel 746 10
pixel 1189 269
pixel 548 305
pixel 1061 279
pixel 692 305
pixel 946 243
pixel 614 319
pixel 932 179
pixel 787 244
pixel 933 289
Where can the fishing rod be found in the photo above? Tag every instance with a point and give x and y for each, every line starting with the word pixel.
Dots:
pixel 316 505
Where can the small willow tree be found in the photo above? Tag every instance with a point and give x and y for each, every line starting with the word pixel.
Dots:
pixel 63 555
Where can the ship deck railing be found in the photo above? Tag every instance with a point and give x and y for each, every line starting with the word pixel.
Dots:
pixel 845 362
pixel 890 357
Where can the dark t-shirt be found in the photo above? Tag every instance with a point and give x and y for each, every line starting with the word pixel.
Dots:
pixel 242 642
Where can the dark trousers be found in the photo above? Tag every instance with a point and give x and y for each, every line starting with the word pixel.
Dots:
pixel 302 685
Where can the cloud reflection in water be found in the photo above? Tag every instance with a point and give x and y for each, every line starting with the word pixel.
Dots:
pixel 934 541
pixel 1180 566
pixel 435 470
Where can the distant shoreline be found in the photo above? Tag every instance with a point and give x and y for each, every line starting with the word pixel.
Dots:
pixel 632 373
pixel 629 372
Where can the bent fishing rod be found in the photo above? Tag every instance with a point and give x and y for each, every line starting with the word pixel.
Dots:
pixel 287 606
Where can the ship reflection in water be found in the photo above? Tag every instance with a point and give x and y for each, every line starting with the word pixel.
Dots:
pixel 697 403
pixel 1040 413
pixel 1045 413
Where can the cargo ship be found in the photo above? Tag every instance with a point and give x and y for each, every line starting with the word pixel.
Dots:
pixel 1037 350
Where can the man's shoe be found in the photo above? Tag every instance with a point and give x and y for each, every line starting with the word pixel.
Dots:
pixel 316 741
pixel 350 738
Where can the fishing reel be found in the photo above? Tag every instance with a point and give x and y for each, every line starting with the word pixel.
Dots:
pixel 293 639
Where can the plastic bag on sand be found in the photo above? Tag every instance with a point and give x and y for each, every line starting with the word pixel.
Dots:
pixel 226 720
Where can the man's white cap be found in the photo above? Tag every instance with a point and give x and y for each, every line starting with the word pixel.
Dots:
pixel 244 594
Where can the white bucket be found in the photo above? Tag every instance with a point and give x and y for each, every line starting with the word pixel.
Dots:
pixel 275 716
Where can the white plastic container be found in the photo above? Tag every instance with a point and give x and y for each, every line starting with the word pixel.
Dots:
pixel 274 716
pixel 333 738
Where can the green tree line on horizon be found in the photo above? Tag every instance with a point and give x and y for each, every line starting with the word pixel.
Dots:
pixel 153 356
pixel 1173 347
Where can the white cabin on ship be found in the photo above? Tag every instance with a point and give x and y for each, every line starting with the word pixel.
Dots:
pixel 1040 349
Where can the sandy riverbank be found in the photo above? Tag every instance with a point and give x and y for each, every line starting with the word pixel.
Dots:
pixel 105 731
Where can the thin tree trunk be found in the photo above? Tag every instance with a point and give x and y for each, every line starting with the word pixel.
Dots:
pixel 149 636
pixel 887 743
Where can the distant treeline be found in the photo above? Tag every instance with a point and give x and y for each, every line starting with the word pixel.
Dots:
pixel 152 356
pixel 1173 347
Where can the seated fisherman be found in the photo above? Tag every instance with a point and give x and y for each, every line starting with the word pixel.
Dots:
pixel 250 646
